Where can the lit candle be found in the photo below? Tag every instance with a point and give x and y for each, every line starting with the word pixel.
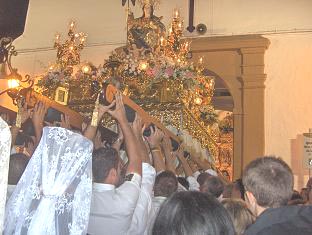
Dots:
pixel 176 13
pixel 200 60
pixel 82 39
pixel 57 38
pixel 72 25
pixel 180 25
pixel 187 46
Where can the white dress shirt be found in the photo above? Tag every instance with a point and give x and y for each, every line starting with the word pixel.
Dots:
pixel 112 208
pixel 156 204
pixel 194 185
pixel 144 205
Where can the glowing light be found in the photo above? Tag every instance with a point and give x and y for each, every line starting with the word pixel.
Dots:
pixel 82 39
pixel 72 25
pixel 71 48
pixel 143 65
pixel 86 69
pixel 51 67
pixel 13 83
pixel 187 45
pixel 176 13
pixel 162 41
pixel 200 60
pixel 198 101
pixel 57 38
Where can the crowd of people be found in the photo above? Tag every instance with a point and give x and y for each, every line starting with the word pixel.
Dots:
pixel 67 181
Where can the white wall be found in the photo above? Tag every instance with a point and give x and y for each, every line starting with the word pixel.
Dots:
pixel 288 99
pixel 104 21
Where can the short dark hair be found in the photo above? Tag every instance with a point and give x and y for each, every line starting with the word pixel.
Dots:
pixel 202 177
pixel 103 160
pixel 270 180
pixel 23 139
pixel 184 182
pixel 192 213
pixel 213 185
pixel 166 183
pixel 238 185
pixel 17 166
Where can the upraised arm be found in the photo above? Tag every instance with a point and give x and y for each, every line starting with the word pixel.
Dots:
pixel 131 142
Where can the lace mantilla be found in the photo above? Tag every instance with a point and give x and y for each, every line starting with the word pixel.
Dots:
pixel 53 195
pixel 5 145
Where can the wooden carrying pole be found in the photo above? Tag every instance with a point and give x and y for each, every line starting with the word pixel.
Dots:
pixel 109 93
pixel 76 119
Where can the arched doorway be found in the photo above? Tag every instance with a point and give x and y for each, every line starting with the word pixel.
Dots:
pixel 238 62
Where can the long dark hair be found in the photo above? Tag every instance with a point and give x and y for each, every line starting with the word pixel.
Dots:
pixel 192 213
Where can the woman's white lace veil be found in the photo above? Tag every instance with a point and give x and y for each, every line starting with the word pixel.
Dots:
pixel 5 146
pixel 54 193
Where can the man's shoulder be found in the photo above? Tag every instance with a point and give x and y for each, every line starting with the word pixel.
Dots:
pixel 284 220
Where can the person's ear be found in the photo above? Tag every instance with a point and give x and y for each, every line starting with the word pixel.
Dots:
pixel 250 197
pixel 251 200
pixel 113 173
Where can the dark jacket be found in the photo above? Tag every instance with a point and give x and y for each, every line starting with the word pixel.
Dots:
pixel 286 220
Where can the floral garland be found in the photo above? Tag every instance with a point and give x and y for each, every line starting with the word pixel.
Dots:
pixel 58 77
pixel 159 70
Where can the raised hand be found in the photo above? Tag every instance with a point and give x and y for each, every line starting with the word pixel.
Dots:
pixel 97 142
pixel 38 115
pixel 179 153
pixel 99 110
pixel 155 138
pixel 119 112
pixel 65 123
pixel 166 143
pixel 137 125
pixel 104 109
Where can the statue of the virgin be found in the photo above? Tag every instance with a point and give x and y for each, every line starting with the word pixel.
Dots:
pixel 145 31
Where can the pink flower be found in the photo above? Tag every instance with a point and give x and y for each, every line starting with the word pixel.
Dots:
pixel 149 72
pixel 169 71
pixel 189 74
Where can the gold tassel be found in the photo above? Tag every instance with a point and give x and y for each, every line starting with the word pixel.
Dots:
pixel 18 122
pixel 95 114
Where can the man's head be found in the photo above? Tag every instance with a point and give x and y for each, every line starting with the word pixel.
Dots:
pixel 192 213
pixel 17 166
pixel 166 183
pixel 212 185
pixel 268 183
pixel 106 166
pixel 202 178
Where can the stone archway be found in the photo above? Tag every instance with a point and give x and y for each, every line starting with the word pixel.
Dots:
pixel 239 61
